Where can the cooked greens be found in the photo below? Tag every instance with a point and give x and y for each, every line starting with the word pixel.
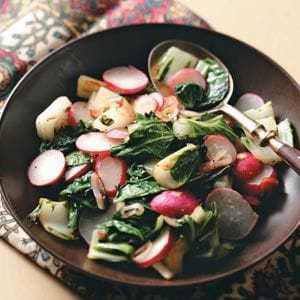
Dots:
pixel 190 95
pixel 192 128
pixel 151 138
pixel 77 158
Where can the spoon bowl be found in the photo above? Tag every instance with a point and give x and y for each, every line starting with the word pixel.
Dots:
pixel 289 154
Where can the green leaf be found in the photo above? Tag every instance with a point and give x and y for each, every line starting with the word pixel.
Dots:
pixel 78 158
pixel 74 211
pixel 138 189
pixel 122 227
pixel 197 127
pixel 217 84
pixel 190 95
pixel 151 138
pixel 185 165
pixel 64 139
pixel 81 185
pixel 137 172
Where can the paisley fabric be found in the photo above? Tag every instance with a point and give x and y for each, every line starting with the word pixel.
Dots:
pixel 31 29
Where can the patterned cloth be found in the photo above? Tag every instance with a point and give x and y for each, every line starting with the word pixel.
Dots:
pixel 28 31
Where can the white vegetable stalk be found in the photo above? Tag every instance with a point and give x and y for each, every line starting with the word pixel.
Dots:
pixel 198 215
pixel 135 209
pixel 53 118
pixel 165 272
pixel 99 101
pixel 265 116
pixel 54 217
pixel 119 115
pixel 94 253
pixel 87 85
pixel 162 170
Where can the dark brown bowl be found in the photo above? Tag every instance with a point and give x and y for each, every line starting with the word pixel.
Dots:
pixel 56 75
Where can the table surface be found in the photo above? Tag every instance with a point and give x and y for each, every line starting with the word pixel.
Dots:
pixel 271 26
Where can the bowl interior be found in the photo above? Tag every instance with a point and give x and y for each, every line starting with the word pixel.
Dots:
pixel 57 75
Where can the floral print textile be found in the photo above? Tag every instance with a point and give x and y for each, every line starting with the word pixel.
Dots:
pixel 31 29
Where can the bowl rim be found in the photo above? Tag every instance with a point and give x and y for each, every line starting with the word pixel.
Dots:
pixel 185 282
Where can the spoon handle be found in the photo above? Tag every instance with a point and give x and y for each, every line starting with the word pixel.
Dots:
pixel 289 154
pixel 249 124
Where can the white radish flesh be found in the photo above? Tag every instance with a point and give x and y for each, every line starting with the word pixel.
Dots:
pixel 47 168
pixel 76 172
pixel 220 152
pixel 249 101
pixel 98 191
pixel 144 104
pixel 126 80
pixel 112 172
pixel 53 118
pixel 118 133
pixel 79 112
pixel 235 216
pixel 95 142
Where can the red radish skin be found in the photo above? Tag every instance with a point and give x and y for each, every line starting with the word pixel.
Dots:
pixel 144 104
pixel 262 183
pixel 118 133
pixel 112 172
pixel 79 111
pixel 252 200
pixel 249 101
pixel 174 203
pixel 125 80
pixel 220 152
pixel 76 172
pixel 153 252
pixel 187 75
pixel 247 166
pixel 95 143
pixel 47 168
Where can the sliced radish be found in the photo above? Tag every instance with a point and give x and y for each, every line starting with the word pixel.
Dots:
pixel 187 75
pixel 90 218
pixel 169 111
pixel 47 168
pixel 220 152
pixel 118 133
pixel 96 142
pixel 98 190
pixel 174 203
pixel 247 166
pixel 126 80
pixel 112 172
pixel 76 172
pixel 249 101
pixel 263 182
pixel 79 111
pixel 144 104
pixel 235 216
pixel 252 200
pixel 153 252
pixel 158 98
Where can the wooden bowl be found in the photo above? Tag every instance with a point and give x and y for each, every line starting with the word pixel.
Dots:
pixel 56 75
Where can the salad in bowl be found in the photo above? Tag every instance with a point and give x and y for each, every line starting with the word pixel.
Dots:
pixel 165 180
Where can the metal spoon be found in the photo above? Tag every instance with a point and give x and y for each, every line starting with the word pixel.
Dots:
pixel 289 154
